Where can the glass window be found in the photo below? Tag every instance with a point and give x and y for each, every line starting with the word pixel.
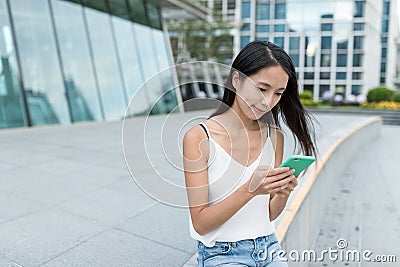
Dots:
pixel 356 75
pixel 341 60
pixel 263 38
pixel 78 70
pixel 137 10
pixel 119 9
pixel 326 42
pixel 358 26
pixel 263 11
pixel 386 8
pixel 11 102
pixel 98 5
pixel 357 60
pixel 358 42
pixel 244 40
pixel 280 11
pixel 385 25
pixel 106 64
pixel 326 27
pixel 279 28
pixel 359 9
pixel 355 89
pixel 168 100
pixel 279 41
pixel 44 87
pixel 262 28
pixel 325 60
pixel 245 10
pixel 382 80
pixel 384 53
pixel 153 15
pixel 325 75
pixel 342 44
pixel 309 75
pixel 128 57
pixel 383 67
pixel 295 59
pixel 384 40
pixel 309 61
pixel 341 75
pixel 294 43
pixel 246 27
pixel 323 88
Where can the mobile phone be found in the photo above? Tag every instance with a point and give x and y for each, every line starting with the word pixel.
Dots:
pixel 298 162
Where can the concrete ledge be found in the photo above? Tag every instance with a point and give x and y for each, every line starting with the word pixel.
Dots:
pixel 298 226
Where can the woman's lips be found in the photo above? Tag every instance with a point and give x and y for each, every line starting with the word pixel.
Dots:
pixel 259 111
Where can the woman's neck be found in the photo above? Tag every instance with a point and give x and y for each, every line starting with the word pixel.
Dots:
pixel 237 120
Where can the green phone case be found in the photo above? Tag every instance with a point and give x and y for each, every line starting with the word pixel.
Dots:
pixel 298 162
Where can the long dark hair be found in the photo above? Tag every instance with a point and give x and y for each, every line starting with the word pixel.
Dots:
pixel 255 56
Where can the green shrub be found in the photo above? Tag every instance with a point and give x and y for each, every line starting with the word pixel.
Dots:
pixel 309 102
pixel 379 94
pixel 396 97
pixel 307 94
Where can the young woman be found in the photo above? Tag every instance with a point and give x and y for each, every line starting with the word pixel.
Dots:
pixel 223 154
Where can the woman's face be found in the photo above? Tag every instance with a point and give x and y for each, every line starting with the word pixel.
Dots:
pixel 259 93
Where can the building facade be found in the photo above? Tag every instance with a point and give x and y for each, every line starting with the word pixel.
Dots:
pixel 81 60
pixel 340 46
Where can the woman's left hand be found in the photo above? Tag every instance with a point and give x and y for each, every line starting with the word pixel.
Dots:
pixel 289 188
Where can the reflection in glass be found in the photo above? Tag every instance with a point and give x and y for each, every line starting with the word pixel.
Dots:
pixel 280 41
pixel 11 102
pixel 262 28
pixel 245 10
pixel 153 15
pixel 294 43
pixel 295 59
pixel 342 45
pixel 309 75
pixel 359 26
pixel 80 82
pixel 356 75
pixel 358 42
pixel 341 75
pixel 279 28
pixel 359 9
pixel 106 65
pixel 325 75
pixel 263 11
pixel 326 27
pixel 385 25
pixel 384 53
pixel 137 10
pixel 326 42
pixel 355 89
pixel 357 60
pixel 246 27
pixel 280 11
pixel 341 60
pixel 325 60
pixel 386 8
pixel 40 65
pixel 244 40
pixel 128 57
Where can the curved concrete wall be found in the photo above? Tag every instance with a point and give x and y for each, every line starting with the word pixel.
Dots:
pixel 298 227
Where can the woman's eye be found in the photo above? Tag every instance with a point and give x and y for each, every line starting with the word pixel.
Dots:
pixel 279 94
pixel 262 89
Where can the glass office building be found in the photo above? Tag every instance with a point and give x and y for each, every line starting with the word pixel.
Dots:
pixel 346 46
pixel 80 60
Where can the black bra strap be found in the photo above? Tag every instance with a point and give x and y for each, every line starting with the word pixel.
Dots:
pixel 204 128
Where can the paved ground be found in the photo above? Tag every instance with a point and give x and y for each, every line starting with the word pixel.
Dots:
pixel 67 199
pixel 365 210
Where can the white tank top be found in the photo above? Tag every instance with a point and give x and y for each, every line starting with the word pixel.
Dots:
pixel 225 176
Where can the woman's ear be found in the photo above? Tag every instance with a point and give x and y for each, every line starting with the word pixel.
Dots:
pixel 236 80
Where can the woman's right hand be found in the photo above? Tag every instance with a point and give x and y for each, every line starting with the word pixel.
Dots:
pixel 269 180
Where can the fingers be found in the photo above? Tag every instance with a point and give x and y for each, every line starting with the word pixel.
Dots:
pixel 271 177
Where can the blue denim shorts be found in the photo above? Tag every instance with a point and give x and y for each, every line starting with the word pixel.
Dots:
pixel 262 251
